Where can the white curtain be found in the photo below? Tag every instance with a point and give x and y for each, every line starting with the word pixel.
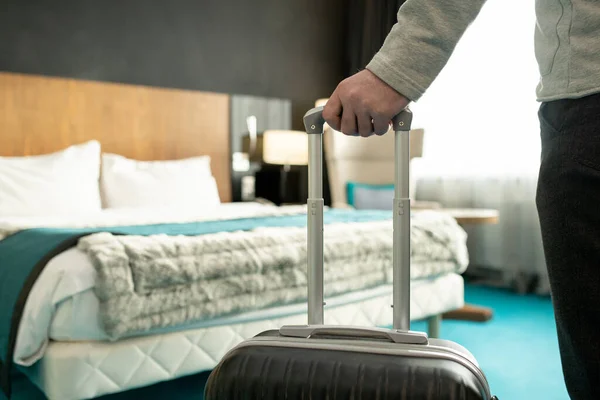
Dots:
pixel 482 146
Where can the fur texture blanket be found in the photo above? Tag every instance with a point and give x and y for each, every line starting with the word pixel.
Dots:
pixel 148 282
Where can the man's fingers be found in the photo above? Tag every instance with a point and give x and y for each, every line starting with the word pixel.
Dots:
pixel 349 125
pixel 363 93
pixel 332 112
pixel 380 126
pixel 365 126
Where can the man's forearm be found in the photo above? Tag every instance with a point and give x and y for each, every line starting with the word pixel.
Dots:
pixel 420 44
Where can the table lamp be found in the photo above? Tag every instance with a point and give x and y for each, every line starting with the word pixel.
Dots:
pixel 283 156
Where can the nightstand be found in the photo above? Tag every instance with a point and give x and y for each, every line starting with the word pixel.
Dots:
pixel 282 185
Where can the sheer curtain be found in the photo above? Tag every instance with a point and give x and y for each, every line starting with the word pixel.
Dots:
pixel 482 138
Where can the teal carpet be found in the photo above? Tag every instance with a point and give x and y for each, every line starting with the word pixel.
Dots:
pixel 517 350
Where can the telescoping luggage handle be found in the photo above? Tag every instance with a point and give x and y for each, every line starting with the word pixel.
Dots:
pixel 314 126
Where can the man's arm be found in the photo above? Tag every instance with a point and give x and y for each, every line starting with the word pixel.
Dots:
pixel 420 44
pixel 412 56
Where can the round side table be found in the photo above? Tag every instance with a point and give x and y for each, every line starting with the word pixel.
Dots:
pixel 471 216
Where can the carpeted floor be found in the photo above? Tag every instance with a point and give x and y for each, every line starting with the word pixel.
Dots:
pixel 517 350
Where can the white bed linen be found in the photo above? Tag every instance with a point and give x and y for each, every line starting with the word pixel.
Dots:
pixel 146 216
pixel 59 183
pixel 70 272
pixel 84 370
pixel 185 183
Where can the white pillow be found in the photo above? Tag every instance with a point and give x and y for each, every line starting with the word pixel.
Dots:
pixel 60 183
pixel 185 184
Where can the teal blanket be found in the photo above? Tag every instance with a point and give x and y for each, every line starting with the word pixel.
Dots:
pixel 23 256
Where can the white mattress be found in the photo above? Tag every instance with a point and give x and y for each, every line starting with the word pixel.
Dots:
pixel 83 370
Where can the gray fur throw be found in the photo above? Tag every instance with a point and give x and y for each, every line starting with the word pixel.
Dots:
pixel 149 282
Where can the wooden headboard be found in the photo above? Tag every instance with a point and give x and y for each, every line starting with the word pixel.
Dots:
pixel 40 115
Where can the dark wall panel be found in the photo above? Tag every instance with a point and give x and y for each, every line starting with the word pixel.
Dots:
pixel 274 48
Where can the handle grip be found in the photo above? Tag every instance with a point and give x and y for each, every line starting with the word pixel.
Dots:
pixel 308 331
pixel 314 121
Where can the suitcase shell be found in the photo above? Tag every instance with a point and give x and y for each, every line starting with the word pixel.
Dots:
pixel 316 361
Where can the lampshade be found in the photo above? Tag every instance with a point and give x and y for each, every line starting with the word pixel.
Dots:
pixel 285 147
pixel 280 147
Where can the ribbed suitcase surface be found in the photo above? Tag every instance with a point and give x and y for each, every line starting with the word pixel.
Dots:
pixel 271 372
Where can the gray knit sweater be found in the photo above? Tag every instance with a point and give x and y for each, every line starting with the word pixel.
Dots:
pixel 567 45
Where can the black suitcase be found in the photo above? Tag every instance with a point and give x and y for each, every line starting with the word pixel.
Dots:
pixel 317 362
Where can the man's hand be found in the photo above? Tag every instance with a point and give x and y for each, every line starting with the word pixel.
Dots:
pixel 363 105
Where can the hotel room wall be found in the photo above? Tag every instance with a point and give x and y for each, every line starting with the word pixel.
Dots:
pixel 290 49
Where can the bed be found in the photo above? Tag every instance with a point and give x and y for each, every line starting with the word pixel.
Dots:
pixel 109 291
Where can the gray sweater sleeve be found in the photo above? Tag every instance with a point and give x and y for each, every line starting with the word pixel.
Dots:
pixel 421 42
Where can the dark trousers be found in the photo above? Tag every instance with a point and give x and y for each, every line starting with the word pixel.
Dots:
pixel 568 203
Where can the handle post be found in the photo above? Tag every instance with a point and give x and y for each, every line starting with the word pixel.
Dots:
pixel 314 124
pixel 401 242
